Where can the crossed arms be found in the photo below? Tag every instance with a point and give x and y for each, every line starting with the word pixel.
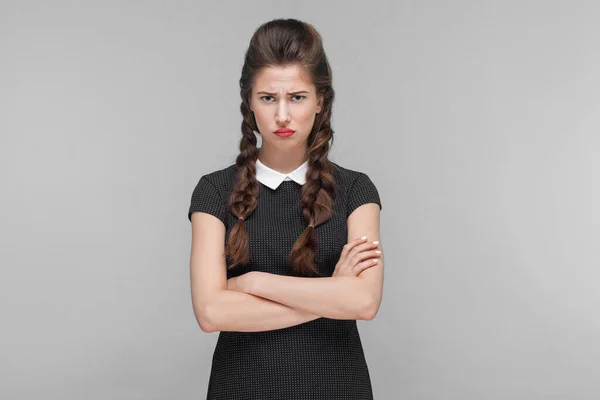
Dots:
pixel 259 301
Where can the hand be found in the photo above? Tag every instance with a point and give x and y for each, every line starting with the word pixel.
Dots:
pixel 357 256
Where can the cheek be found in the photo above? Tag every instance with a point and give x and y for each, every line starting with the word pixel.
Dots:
pixel 260 118
pixel 306 116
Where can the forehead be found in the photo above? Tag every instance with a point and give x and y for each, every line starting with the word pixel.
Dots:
pixel 290 77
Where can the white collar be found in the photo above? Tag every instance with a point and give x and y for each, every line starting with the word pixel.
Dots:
pixel 272 178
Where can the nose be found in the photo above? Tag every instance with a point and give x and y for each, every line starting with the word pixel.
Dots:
pixel 282 116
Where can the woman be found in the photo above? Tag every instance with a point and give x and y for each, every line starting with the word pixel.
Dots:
pixel 285 254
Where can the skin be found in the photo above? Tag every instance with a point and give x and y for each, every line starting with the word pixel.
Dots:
pixel 274 107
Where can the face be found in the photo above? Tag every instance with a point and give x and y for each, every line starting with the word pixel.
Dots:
pixel 284 97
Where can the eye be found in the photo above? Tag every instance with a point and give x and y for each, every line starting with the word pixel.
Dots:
pixel 263 98
pixel 298 95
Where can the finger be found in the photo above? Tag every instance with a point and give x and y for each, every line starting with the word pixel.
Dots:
pixel 359 257
pixel 361 266
pixel 351 245
pixel 361 247
pixel 365 268
pixel 367 246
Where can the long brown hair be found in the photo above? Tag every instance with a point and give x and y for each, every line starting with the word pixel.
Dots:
pixel 283 42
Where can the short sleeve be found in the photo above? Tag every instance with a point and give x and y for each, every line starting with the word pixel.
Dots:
pixel 361 192
pixel 206 198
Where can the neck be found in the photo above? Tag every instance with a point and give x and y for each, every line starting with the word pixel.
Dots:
pixel 284 162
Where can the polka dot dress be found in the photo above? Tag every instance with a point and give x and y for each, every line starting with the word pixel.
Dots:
pixel 321 359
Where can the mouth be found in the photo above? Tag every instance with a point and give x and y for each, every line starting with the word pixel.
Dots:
pixel 284 132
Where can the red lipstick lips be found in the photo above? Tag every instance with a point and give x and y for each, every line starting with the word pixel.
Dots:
pixel 284 132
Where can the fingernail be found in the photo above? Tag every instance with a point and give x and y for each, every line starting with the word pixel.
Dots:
pixel 363 238
pixel 375 242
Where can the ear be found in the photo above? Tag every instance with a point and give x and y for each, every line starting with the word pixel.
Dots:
pixel 319 104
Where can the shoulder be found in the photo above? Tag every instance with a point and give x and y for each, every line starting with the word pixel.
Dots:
pixel 347 177
pixel 222 179
pixel 211 193
pixel 357 187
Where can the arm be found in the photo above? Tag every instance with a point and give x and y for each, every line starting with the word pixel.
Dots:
pixel 229 310
pixel 365 221
pixel 217 308
pixel 342 297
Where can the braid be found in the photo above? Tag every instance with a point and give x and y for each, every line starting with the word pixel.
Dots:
pixel 244 196
pixel 317 199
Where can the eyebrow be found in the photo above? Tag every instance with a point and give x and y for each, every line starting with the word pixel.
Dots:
pixel 274 94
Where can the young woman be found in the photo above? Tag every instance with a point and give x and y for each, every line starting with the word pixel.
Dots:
pixel 285 243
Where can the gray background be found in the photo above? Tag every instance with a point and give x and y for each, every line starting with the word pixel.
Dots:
pixel 478 122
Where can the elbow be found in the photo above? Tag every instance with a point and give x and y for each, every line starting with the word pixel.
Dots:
pixel 206 327
pixel 370 309
pixel 203 316
pixel 368 314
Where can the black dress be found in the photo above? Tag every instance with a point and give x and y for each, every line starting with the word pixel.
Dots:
pixel 321 359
